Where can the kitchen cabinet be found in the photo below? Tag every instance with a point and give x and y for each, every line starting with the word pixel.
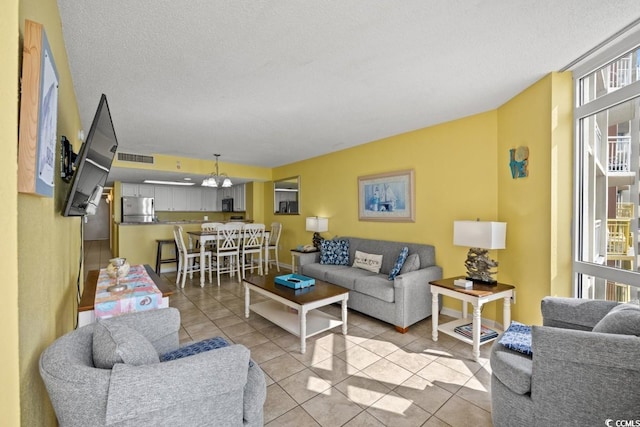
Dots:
pixel 191 199
pixel 138 190
pixel 163 198
pixel 209 199
pixel 238 194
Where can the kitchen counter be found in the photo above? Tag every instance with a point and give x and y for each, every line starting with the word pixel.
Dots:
pixel 180 222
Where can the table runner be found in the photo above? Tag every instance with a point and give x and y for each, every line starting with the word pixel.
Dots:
pixel 141 293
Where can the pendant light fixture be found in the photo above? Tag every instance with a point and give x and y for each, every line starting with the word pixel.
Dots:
pixel 217 179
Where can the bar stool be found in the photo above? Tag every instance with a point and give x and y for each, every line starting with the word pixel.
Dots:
pixel 159 259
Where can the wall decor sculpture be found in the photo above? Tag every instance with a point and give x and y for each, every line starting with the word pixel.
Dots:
pixel 518 162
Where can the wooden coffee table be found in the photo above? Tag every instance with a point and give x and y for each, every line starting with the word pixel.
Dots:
pixel 303 321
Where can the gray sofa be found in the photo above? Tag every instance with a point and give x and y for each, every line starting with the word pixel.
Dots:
pixel 576 377
pixel 217 387
pixel 402 301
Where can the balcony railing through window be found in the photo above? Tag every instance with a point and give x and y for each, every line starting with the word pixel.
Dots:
pixel 619 154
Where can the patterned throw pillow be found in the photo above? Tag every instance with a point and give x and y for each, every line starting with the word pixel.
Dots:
pixel 195 348
pixel 518 338
pixel 369 262
pixel 404 252
pixel 334 252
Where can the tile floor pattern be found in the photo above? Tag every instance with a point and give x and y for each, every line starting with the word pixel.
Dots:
pixel 373 376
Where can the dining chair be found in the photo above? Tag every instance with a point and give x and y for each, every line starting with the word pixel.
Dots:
pixel 187 258
pixel 210 227
pixel 228 248
pixel 272 245
pixel 252 244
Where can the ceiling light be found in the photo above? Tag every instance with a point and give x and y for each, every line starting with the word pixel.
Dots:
pixel 217 179
pixel 153 181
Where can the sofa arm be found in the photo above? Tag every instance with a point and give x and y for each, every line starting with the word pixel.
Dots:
pixel 161 327
pixel 592 375
pixel 308 258
pixel 574 313
pixel 412 295
pixel 182 385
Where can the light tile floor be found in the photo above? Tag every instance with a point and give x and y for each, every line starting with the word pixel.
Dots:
pixel 373 376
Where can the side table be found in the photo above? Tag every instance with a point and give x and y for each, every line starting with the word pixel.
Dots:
pixel 297 255
pixel 478 295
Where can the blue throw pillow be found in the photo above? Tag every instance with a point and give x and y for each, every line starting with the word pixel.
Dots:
pixel 404 252
pixel 518 338
pixel 334 252
pixel 195 348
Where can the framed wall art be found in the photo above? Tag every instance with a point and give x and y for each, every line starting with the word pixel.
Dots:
pixel 38 114
pixel 387 197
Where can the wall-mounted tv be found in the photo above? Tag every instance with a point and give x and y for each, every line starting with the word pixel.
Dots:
pixel 93 164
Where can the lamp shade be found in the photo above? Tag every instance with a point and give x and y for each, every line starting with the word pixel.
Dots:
pixel 480 234
pixel 317 224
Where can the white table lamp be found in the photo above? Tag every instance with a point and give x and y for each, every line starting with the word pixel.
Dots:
pixel 480 236
pixel 317 225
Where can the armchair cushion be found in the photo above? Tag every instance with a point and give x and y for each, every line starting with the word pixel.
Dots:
pixel 115 342
pixel 622 319
pixel 513 369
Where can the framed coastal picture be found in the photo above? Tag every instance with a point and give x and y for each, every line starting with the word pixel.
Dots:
pixel 387 197
pixel 38 114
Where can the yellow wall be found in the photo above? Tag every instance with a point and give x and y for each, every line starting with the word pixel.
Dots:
pixel 537 209
pixel 9 76
pixel 461 173
pixel 456 172
pixel 48 244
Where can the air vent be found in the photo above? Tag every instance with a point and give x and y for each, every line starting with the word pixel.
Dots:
pixel 136 158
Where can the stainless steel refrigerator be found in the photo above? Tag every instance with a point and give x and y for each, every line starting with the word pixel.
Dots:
pixel 138 209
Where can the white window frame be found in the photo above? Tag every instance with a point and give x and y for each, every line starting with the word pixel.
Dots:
pixel 602 103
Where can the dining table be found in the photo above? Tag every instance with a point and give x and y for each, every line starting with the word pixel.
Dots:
pixel 209 236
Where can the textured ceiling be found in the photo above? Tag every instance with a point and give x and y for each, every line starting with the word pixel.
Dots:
pixel 269 83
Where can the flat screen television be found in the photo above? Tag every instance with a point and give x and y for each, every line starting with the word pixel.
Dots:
pixel 93 164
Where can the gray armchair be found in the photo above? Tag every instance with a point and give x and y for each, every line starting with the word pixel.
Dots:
pixel 217 387
pixel 576 377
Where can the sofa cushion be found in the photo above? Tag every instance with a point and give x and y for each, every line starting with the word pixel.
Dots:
pixel 196 348
pixel 622 319
pixel 377 286
pixel 412 263
pixel 402 256
pixel 513 369
pixel 369 262
pixel 347 276
pixel 116 343
pixel 334 252
pixel 319 271
pixel 517 337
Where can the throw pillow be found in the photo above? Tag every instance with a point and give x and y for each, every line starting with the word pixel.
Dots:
pixel 369 262
pixel 195 348
pixel 404 252
pixel 334 252
pixel 518 338
pixel 622 319
pixel 412 263
pixel 114 343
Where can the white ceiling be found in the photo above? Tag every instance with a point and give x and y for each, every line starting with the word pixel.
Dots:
pixel 268 83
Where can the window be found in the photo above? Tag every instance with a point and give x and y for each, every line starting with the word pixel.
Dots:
pixel 607 174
